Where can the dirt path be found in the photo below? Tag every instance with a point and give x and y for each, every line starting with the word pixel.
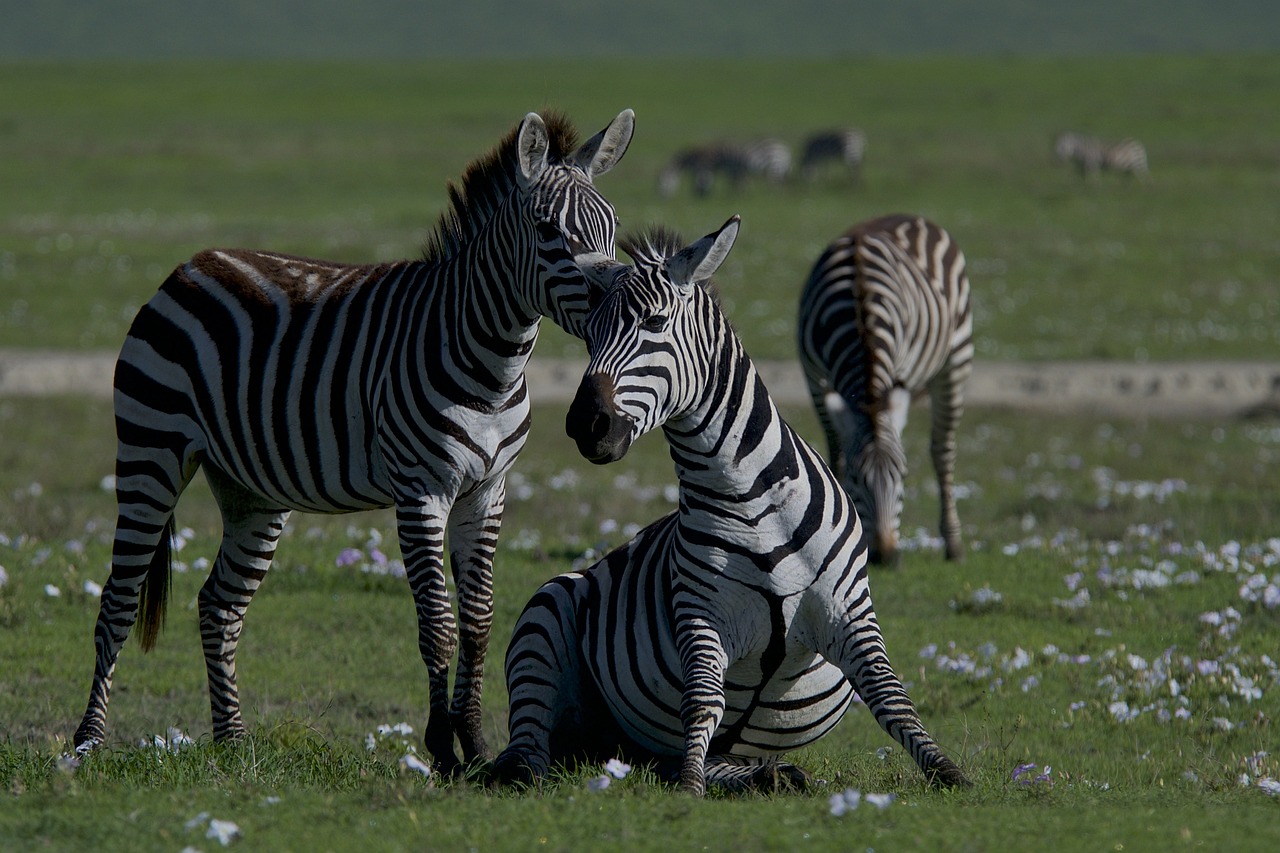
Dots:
pixel 1166 389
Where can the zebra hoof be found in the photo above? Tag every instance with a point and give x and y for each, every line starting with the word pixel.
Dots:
pixel 87 744
pixel 945 774
pixel 512 770
pixel 781 776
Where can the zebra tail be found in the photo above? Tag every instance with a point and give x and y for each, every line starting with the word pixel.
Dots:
pixel 153 598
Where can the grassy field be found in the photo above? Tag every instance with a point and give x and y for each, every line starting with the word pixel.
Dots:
pixel 1114 623
pixel 1111 625
pixel 114 174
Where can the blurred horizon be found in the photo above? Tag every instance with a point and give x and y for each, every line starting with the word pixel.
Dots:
pixel 411 29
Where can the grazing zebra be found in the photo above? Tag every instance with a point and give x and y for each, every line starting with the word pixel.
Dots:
pixel 884 316
pixel 734 162
pixel 736 627
pixel 846 146
pixel 324 387
pixel 1092 155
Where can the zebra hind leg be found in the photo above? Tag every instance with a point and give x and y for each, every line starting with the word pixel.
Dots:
pixel 765 775
pixel 249 537
pixel 148 483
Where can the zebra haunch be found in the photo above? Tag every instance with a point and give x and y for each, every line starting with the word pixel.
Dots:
pixel 884 317
pixel 324 387
pixel 734 629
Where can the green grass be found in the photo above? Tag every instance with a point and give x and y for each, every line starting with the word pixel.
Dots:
pixel 329 655
pixel 115 173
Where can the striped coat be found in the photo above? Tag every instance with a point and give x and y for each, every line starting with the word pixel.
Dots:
pixel 734 629
pixel 298 384
pixel 884 317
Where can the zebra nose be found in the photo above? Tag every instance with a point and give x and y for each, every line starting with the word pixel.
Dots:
pixel 601 433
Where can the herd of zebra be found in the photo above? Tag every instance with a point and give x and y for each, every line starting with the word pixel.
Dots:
pixel 733 630
pixel 770 159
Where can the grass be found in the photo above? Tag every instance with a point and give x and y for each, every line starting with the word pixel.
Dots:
pixel 115 173
pixel 329 655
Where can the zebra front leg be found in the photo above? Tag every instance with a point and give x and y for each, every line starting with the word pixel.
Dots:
pixel 421 532
pixel 249 541
pixel 767 775
pixel 861 656
pixel 703 662
pixel 474 523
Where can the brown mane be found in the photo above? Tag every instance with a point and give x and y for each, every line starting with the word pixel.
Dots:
pixel 486 183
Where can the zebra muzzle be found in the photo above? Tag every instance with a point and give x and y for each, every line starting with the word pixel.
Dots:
pixel 602 433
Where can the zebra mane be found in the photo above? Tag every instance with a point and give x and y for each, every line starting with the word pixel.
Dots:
pixel 486 183
pixel 653 244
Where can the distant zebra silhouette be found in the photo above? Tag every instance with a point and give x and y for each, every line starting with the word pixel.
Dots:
pixel 883 317
pixel 1091 155
pixel 845 146
pixel 325 387
pixel 730 163
pixel 734 629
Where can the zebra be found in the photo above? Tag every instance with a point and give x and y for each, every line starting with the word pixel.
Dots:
pixel 738 626
pixel 885 316
pixel 1092 155
pixel 331 388
pixel 768 158
pixel 844 145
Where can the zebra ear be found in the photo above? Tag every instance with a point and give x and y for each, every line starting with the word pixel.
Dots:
pixel 602 152
pixel 531 148
pixel 698 261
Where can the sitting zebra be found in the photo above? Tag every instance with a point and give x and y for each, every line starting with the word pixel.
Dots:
pixel 734 162
pixel 1092 155
pixel 845 146
pixel 883 317
pixel 734 629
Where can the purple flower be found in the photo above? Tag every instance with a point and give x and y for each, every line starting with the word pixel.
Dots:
pixel 1020 770
pixel 348 557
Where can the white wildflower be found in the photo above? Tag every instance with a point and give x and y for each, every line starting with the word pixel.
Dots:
pixel 617 769
pixel 411 763
pixel 846 801
pixel 222 831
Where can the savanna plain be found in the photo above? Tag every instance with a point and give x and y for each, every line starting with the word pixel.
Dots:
pixel 1104 663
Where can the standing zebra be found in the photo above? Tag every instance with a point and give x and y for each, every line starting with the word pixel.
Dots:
pixel 734 162
pixel 884 316
pixel 1092 155
pixel 845 146
pixel 323 387
pixel 736 627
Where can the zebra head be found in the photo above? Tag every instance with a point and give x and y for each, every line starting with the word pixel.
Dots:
pixel 575 225
pixel 874 466
pixel 649 341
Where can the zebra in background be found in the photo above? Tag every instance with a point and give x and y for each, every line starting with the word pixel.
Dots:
pixel 883 317
pixel 846 146
pixel 324 387
pixel 1092 155
pixel 733 162
pixel 737 627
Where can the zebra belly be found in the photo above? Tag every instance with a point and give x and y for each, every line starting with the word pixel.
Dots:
pixel 629 648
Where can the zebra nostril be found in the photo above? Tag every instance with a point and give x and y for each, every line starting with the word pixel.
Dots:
pixel 600 427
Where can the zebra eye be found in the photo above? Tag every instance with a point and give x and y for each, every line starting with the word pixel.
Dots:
pixel 654 323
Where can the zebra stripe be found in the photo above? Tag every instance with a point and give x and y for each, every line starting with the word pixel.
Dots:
pixel 737 627
pixel 845 146
pixel 1091 155
pixel 324 387
pixel 885 316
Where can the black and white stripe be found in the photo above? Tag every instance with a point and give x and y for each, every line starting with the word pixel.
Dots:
pixel 737 627
pixel 846 146
pixel 1092 155
pixel 884 317
pixel 324 387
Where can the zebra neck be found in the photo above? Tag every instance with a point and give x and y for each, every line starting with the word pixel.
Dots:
pixel 475 313
pixel 727 447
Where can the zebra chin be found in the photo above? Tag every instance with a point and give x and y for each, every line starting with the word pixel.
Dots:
pixel 603 434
